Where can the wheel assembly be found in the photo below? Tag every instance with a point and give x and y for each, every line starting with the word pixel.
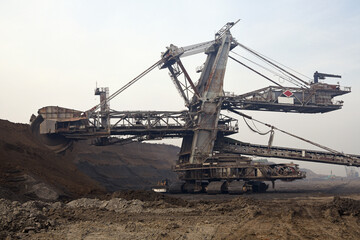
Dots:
pixel 53 141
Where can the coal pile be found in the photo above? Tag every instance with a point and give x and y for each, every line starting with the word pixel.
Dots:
pixel 135 166
pixel 30 171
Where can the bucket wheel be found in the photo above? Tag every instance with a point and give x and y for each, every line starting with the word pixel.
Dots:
pixel 55 142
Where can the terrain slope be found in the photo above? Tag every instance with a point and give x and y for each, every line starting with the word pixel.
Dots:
pixel 30 169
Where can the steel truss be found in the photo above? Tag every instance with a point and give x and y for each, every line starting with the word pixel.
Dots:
pixel 207 158
pixel 316 99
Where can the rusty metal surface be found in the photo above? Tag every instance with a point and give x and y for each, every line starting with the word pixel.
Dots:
pixel 48 126
pixel 154 124
pixel 74 119
pixel 233 146
pixel 247 171
pixel 55 112
pixel 317 99
pixel 212 81
pixel 181 87
pixel 188 78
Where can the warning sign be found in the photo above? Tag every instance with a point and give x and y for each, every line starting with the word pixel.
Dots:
pixel 288 93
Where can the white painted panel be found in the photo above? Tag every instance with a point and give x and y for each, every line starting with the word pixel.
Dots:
pixel 287 100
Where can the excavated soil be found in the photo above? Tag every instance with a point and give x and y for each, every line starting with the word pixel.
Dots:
pixel 29 170
pixel 121 167
pixel 241 217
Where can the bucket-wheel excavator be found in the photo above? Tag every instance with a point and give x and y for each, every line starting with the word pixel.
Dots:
pixel 209 160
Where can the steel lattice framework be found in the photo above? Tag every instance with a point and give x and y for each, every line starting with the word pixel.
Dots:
pixel 208 160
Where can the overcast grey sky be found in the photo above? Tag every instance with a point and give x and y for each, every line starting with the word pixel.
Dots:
pixel 54 53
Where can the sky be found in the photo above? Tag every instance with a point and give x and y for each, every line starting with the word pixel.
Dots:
pixel 57 52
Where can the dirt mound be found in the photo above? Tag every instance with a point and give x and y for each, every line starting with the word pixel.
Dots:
pixel 149 196
pixel 114 204
pixel 30 170
pixel 24 218
pixel 131 166
pixel 238 218
pixel 346 206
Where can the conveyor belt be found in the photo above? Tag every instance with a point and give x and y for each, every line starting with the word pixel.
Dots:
pixel 234 146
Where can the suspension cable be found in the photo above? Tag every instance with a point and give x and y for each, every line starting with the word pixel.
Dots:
pixel 290 134
pixel 256 72
pixel 124 87
pixel 258 55
pixel 255 130
pixel 280 75
pixel 283 65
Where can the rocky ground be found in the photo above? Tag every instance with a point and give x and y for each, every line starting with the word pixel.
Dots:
pixel 146 215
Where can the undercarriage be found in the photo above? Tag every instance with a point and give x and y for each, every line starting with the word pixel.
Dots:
pixel 232 174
